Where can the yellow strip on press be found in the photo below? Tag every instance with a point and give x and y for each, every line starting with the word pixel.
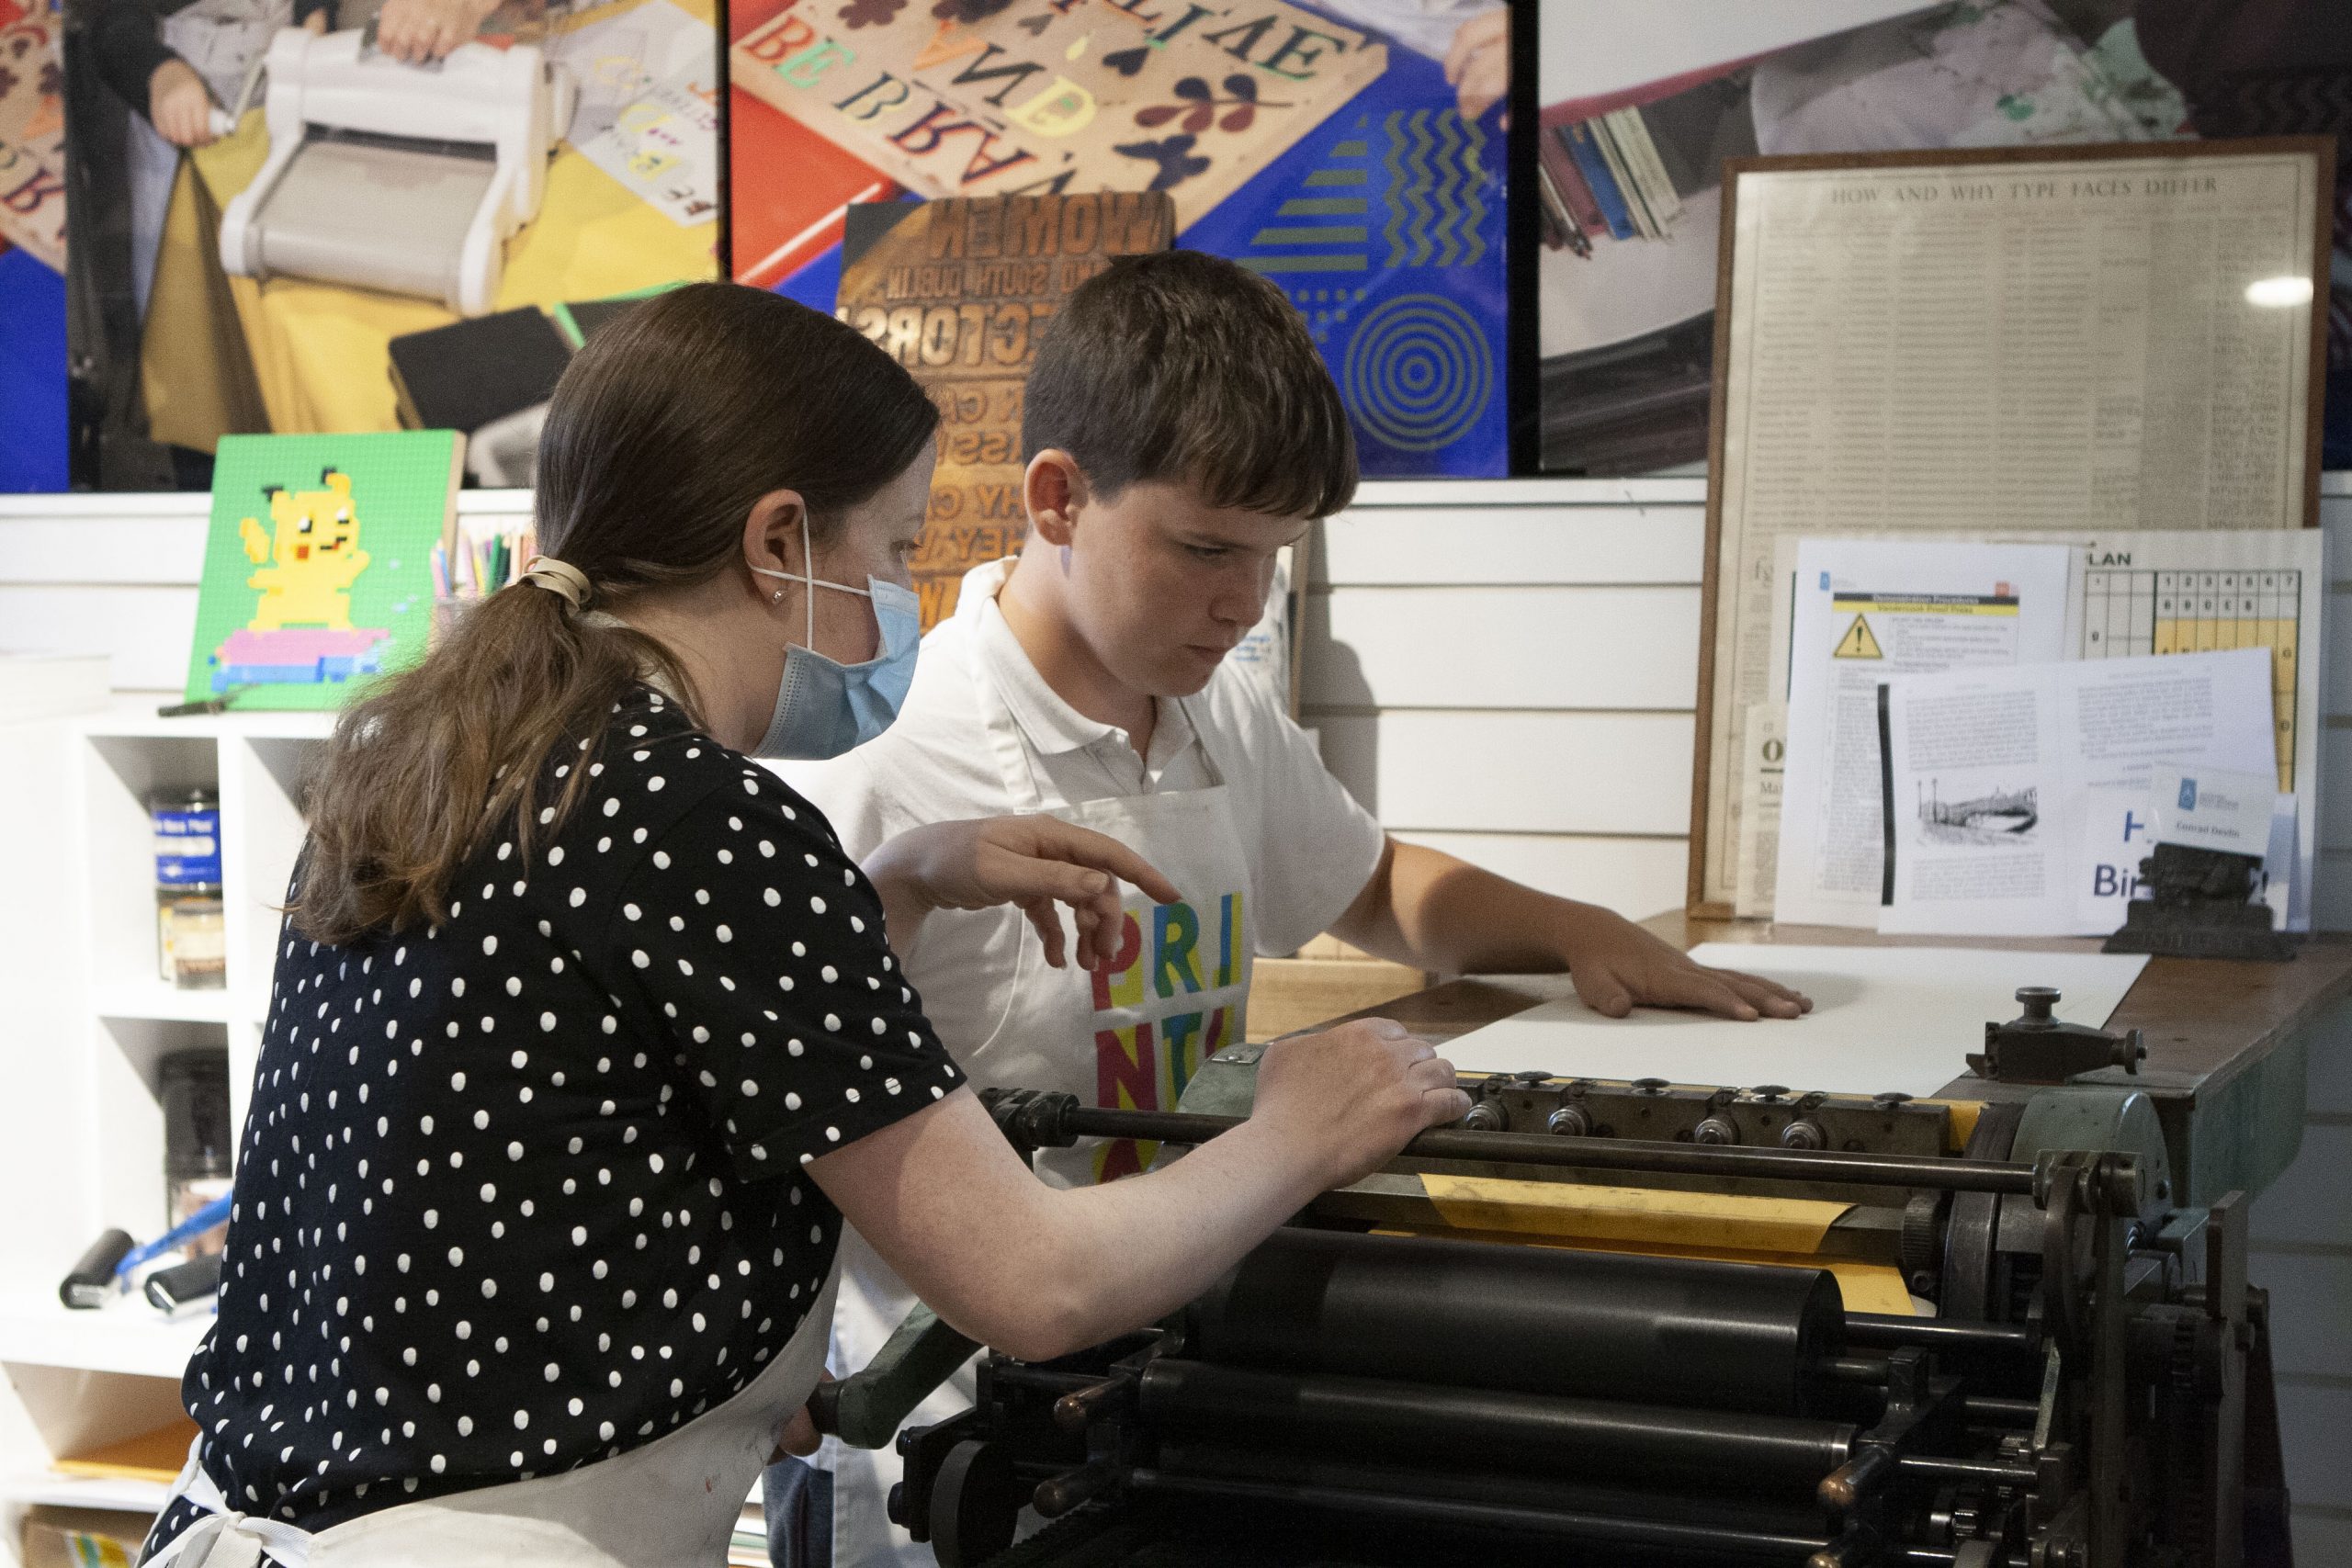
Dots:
pixel 1959 1121
pixel 1647 1214
pixel 1862 1286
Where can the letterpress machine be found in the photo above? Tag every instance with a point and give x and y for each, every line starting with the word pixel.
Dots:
pixel 1601 1322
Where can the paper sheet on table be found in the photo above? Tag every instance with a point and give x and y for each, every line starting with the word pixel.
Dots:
pixel 1900 1019
pixel 1863 610
pixel 1993 776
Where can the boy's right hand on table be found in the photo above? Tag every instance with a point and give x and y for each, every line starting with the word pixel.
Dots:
pixel 178 106
pixel 1359 1091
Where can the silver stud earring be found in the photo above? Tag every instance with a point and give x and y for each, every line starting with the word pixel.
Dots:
pixel 776 597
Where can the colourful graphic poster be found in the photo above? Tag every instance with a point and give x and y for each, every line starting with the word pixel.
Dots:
pixel 1322 145
pixel 318 565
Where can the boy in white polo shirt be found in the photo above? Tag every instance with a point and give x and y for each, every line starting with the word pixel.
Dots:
pixel 1178 429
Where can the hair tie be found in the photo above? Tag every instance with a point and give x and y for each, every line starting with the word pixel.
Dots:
pixel 561 579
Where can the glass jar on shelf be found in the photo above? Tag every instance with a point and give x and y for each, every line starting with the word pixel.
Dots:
pixel 191 926
pixel 194 1088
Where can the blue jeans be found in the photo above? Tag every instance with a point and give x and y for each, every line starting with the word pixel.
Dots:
pixel 798 1499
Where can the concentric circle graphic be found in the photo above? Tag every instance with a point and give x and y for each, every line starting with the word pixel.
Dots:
pixel 1419 373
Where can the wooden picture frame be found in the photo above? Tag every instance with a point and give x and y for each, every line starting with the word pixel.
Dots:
pixel 2075 169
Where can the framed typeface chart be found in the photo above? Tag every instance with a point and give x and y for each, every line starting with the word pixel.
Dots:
pixel 1999 341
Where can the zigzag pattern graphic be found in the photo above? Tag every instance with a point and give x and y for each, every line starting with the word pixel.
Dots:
pixel 2277 103
pixel 1434 210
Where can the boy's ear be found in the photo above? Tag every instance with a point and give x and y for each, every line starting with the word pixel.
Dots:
pixel 1053 491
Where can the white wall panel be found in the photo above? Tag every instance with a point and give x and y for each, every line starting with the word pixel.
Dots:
pixel 2312 1203
pixel 1636 877
pixel 146 631
pixel 1501 648
pixel 1514 545
pixel 1516 773
pixel 2310 1310
pixel 2335 680
pixel 2331 1081
pixel 138 549
pixel 2315 1428
pixel 2323 1541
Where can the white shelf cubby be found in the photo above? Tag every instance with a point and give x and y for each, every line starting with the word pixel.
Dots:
pixel 96 1019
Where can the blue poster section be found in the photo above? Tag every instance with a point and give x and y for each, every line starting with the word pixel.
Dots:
pixel 1386 229
pixel 1385 226
pixel 32 375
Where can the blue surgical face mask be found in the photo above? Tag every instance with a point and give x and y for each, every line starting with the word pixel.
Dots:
pixel 822 706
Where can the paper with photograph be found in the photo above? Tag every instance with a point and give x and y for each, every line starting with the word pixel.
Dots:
pixel 2131 595
pixel 1991 775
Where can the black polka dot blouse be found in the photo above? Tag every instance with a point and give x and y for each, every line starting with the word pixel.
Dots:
pixel 525 1190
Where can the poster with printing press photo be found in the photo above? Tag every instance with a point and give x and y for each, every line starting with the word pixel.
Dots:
pixel 1351 151
pixel 330 216
pixel 1643 104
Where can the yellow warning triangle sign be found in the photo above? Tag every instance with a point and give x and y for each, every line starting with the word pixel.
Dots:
pixel 1857 642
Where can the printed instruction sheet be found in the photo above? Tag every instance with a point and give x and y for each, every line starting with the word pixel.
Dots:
pixel 1864 611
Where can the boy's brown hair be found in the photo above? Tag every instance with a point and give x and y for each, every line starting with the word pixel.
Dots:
pixel 1183 367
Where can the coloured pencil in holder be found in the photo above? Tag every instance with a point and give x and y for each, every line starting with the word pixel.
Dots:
pixel 474 564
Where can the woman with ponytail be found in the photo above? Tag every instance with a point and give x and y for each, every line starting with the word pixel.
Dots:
pixel 586 1038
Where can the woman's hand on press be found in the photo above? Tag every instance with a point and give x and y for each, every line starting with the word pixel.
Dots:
pixel 1617 966
pixel 1036 864
pixel 1359 1091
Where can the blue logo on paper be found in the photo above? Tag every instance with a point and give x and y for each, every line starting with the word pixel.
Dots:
pixel 1825 583
pixel 2188 795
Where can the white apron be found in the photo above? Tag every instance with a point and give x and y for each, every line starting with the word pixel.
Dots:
pixel 1128 1039
pixel 673 1501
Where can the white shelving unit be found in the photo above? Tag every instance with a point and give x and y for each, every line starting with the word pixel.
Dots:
pixel 92 1153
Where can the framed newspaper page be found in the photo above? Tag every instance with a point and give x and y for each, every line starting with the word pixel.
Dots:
pixel 2012 340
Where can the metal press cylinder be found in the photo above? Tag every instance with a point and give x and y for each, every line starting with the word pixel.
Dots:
pixel 1651 1331
pixel 1492 1430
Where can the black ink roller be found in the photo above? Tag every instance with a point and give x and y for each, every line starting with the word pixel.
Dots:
pixel 1532 1319
pixel 172 1288
pixel 91 1280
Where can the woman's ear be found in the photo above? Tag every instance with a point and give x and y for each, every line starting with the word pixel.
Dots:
pixel 775 539
pixel 1053 491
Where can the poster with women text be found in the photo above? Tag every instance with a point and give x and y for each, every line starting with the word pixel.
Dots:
pixel 1643 104
pixel 1350 151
